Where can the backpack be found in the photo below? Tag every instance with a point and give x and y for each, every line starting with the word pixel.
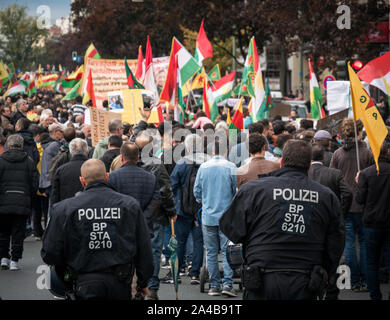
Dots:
pixel 62 157
pixel 189 204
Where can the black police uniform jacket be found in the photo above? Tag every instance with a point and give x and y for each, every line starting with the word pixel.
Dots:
pixel 286 220
pixel 98 229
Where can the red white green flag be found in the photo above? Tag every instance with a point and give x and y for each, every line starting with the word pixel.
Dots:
pixel 182 66
pixel 89 93
pixel 315 95
pixel 204 48
pixel 140 71
pixel 14 89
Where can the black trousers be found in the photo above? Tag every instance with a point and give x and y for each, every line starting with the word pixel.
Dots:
pixel 282 286
pixel 37 212
pixel 12 230
pixel 101 286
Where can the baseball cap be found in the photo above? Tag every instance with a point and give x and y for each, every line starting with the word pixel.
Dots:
pixel 322 135
pixel 55 127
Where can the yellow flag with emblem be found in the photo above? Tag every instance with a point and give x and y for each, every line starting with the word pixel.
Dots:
pixel 3 72
pixel 364 108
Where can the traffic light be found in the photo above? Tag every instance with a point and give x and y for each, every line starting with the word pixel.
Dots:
pixel 74 56
pixel 356 65
pixel 342 70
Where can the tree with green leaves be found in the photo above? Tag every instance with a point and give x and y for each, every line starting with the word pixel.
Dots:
pixel 20 37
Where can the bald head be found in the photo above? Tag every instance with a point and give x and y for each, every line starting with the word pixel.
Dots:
pixel 142 140
pixel 93 170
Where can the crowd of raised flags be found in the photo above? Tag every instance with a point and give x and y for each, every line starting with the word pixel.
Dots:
pixel 186 73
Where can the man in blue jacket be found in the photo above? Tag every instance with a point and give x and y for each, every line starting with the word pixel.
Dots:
pixel 215 187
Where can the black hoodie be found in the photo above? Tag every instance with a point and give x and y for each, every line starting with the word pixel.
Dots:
pixel 19 180
pixel 29 145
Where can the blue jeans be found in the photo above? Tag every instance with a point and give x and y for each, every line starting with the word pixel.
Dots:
pixel 167 236
pixel 214 239
pixel 157 245
pixel 190 247
pixel 183 227
pixel 376 240
pixel 353 227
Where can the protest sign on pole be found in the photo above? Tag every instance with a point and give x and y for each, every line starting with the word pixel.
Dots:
pixel 110 75
pixel 132 102
pixel 99 123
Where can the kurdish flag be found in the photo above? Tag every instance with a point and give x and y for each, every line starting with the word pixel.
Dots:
pixel 50 80
pixel 91 53
pixel 237 122
pixel 222 88
pixel 315 95
pixel 140 72
pixel 131 80
pixel 218 93
pixel 377 73
pixel 215 73
pixel 15 89
pixel 182 66
pixel 89 93
pixel 75 77
pixel 364 109
pixel 204 48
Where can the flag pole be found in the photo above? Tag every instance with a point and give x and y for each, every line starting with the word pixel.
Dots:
pixel 357 146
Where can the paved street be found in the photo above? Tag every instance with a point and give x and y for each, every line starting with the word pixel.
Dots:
pixel 21 285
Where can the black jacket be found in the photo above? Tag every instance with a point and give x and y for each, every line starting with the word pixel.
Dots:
pixel 167 208
pixel 286 220
pixel 16 116
pixel 66 181
pixel 109 156
pixel 141 185
pixel 29 145
pixel 372 192
pixel 19 180
pixel 96 230
pixel 333 179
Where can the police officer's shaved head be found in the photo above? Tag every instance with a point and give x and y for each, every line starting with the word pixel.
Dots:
pixel 297 154
pixel 93 170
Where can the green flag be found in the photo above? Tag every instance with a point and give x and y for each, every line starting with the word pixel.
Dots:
pixel 74 93
pixel 132 82
pixel 215 73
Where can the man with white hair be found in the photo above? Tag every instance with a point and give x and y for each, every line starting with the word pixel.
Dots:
pixel 66 181
pixel 21 112
pixel 183 179
pixel 115 127
pixel 46 118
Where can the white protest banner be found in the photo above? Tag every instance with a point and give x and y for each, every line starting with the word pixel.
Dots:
pixel 338 96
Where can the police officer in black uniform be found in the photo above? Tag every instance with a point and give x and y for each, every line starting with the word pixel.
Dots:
pixel 97 239
pixel 290 229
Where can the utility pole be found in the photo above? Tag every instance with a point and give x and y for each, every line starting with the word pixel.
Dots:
pixel 234 53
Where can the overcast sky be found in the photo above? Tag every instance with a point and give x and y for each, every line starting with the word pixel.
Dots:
pixel 58 8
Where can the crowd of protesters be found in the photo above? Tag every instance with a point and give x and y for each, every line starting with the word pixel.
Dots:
pixel 186 172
